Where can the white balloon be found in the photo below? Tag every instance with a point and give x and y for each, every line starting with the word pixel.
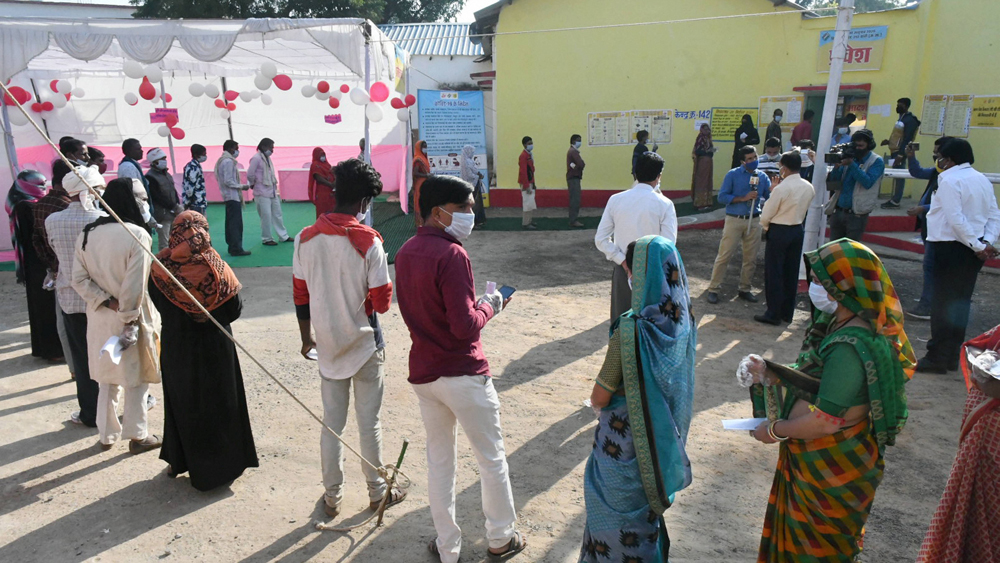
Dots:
pixel 224 113
pixel 211 90
pixel 308 90
pixel 246 96
pixel 196 89
pixel 18 118
pixel 133 69
pixel 153 73
pixel 59 101
pixel 79 92
pixel 64 87
pixel 335 93
pixel 255 94
pixel 265 99
pixel 374 113
pixel 360 97
pixel 403 114
pixel 163 131
pixel 261 82
pixel 269 70
pixel 131 99
pixel 322 95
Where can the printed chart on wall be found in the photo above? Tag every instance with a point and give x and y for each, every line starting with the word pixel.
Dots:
pixel 933 114
pixel 985 112
pixel 725 122
pixel 949 115
pixel 657 122
pixel 608 128
pixel 448 122
pixel 790 106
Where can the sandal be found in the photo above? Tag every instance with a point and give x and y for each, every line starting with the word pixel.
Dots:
pixel 397 496
pixel 516 545
pixel 433 548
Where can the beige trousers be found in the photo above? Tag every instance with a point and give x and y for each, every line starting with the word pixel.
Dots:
pixel 733 233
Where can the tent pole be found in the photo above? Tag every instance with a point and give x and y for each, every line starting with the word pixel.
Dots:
pixel 366 29
pixel 815 228
pixel 8 141
pixel 34 89
pixel 229 119
pixel 170 136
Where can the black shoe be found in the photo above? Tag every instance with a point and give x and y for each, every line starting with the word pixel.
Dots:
pixel 921 313
pixel 239 252
pixel 269 243
pixel 926 366
pixel 766 320
pixel 788 320
pixel 890 205
pixel 289 240
pixel 747 296
pixel 713 297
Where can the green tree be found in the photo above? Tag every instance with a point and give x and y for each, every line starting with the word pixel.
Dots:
pixel 859 5
pixel 379 11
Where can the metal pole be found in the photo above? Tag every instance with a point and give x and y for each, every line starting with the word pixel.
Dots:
pixel 368 84
pixel 170 136
pixel 34 89
pixel 8 141
pixel 229 119
pixel 815 231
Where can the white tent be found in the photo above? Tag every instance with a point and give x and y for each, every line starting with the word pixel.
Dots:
pixel 92 55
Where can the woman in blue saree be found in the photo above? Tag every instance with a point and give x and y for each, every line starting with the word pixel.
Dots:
pixel 645 390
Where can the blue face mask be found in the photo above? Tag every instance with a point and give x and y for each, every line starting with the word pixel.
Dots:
pixel 750 166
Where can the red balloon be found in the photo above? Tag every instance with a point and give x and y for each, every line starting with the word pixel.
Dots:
pixel 232 95
pixel 53 85
pixel 231 106
pixel 167 97
pixel 379 92
pixel 397 103
pixel 36 107
pixel 283 82
pixel 334 103
pixel 219 103
pixel 20 94
pixel 146 89
pixel 48 106
pixel 410 100
pixel 323 86
pixel 171 120
pixel 345 88
pixel 177 133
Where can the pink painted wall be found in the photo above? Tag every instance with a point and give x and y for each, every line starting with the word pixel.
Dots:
pixel 292 164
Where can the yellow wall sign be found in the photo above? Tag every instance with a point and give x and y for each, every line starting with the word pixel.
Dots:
pixel 865 48
pixel 725 122
pixel 986 112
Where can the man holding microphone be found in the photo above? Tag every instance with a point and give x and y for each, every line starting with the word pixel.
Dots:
pixel 743 192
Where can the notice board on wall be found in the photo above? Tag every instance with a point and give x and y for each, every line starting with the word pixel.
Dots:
pixel 725 122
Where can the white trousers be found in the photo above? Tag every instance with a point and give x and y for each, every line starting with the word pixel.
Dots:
pixel 133 424
pixel 63 339
pixel 269 210
pixel 472 402
pixel 367 407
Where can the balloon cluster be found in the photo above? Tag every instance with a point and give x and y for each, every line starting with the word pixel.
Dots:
pixel 61 92
pixel 149 75
pixel 377 94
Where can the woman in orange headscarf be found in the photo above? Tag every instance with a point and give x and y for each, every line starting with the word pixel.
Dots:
pixel 421 170
pixel 322 187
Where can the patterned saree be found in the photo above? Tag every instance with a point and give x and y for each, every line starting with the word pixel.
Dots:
pixel 638 461
pixel 824 488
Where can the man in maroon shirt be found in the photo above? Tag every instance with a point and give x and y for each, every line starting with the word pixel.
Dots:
pixel 803 131
pixel 448 369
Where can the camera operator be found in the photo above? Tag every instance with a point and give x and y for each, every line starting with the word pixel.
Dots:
pixel 860 172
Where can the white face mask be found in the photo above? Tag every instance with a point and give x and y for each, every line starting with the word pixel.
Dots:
pixel 236 153
pixel 843 130
pixel 461 224
pixel 777 119
pixel 160 165
pixel 578 144
pixel 322 159
pixel 529 148
pixel 821 299
pixel 202 158
pixel 364 212
pixel 268 152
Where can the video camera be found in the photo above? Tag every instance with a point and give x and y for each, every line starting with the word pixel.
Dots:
pixel 839 153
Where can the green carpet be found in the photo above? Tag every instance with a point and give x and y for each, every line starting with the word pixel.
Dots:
pixel 395 227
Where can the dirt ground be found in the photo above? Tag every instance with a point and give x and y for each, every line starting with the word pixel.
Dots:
pixel 62 499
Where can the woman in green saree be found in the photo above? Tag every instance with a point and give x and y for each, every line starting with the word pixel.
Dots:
pixel 841 406
pixel 645 392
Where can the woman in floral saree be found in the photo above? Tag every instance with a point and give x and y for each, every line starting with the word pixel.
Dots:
pixel 844 403
pixel 646 388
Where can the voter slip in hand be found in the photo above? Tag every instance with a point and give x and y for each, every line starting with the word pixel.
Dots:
pixel 743 424
pixel 114 348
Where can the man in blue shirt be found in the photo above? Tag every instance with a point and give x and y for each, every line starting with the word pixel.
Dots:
pixel 861 180
pixel 743 193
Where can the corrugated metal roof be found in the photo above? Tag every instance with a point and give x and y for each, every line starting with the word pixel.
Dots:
pixel 433 39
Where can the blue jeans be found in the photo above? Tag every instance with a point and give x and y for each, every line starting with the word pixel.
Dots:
pixel 928 293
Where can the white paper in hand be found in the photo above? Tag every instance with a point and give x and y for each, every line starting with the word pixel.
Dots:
pixel 312 355
pixel 742 423
pixel 113 347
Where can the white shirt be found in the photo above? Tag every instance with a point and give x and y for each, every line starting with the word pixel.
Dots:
pixel 964 209
pixel 338 279
pixel 631 215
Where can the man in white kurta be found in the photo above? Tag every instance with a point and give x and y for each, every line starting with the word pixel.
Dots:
pixel 111 274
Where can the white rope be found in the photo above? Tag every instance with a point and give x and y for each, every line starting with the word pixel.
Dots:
pixel 383 471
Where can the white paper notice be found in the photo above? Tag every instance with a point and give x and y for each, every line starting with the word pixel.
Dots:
pixel 114 348
pixel 794 111
pixel 742 423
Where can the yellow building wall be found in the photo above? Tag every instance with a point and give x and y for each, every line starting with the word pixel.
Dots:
pixel 548 82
